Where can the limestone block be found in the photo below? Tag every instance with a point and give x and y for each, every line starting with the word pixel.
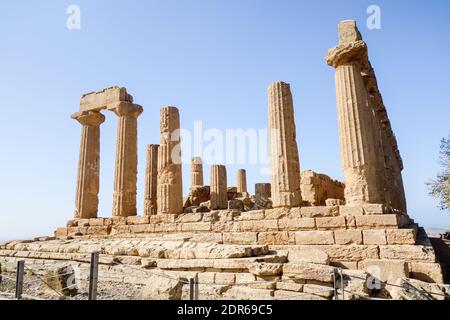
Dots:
pixel 407 252
pixel 62 279
pixel 351 210
pixel 334 202
pixel 321 291
pixel 410 289
pixel 377 221
pixel 61 232
pixel 197 226
pixel 189 217
pixel 240 237
pixel 98 231
pixel 314 237
pixel 401 236
pixel 225 278
pixel 265 269
pixel 236 204
pixel 245 293
pixel 290 295
pixel 315 212
pixel 374 237
pixel 137 220
pixel 252 215
pixel 289 286
pixel 330 223
pixel 96 221
pixel 308 255
pixel 287 224
pixel 162 288
pixel 264 225
pixel 348 237
pixel 383 269
pixel 276 213
pixel 425 271
pixel 309 271
pixel 279 237
pixel 351 252
pixel 374 209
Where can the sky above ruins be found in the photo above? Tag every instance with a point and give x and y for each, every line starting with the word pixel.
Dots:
pixel 213 60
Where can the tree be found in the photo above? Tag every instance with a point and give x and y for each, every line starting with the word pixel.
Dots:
pixel 440 188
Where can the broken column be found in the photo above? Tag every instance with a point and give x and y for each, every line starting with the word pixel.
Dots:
pixel 170 190
pixel 357 134
pixel 219 197
pixel 86 200
pixel 285 166
pixel 196 172
pixel 125 178
pixel 241 180
pixel 151 180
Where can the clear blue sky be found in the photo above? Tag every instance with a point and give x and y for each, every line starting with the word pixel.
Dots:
pixel 214 60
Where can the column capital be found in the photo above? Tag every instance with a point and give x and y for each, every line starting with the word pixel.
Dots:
pixel 123 109
pixel 355 51
pixel 89 118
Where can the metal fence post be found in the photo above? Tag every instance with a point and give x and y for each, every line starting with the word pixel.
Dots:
pixel 196 288
pixel 191 288
pixel 19 279
pixel 93 276
pixel 342 283
pixel 1 278
pixel 334 285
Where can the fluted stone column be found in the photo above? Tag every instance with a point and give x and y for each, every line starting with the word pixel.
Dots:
pixel 241 180
pixel 263 190
pixel 151 180
pixel 125 178
pixel 196 172
pixel 285 165
pixel 170 190
pixel 219 197
pixel 357 134
pixel 86 199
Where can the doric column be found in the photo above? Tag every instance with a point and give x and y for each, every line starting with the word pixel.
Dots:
pixel 196 172
pixel 151 180
pixel 170 189
pixel 86 200
pixel 125 178
pixel 357 132
pixel 263 190
pixel 241 180
pixel 219 197
pixel 285 165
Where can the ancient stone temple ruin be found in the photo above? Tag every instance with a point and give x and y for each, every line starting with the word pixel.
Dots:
pixel 284 242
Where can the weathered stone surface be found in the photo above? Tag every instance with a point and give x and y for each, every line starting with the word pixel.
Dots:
pixel 308 271
pixel 196 173
pixel 351 210
pixel 151 180
pixel 410 289
pixel 219 198
pixel 240 237
pixel 374 237
pixel 315 212
pixel 278 237
pixel 348 237
pixel 125 178
pixel 377 221
pixel 425 271
pixel 266 269
pixel 236 204
pixel 244 293
pixel 314 237
pixel 334 202
pixel 374 209
pixel 86 200
pixel 162 288
pixel 308 255
pixel 198 195
pixel 63 280
pixel 170 187
pixel 276 213
pixel 384 269
pixel 321 291
pixel 331 223
pixel 407 252
pixel 285 165
pixel 401 236
pixel 289 286
pixel 296 224
pixel 241 180
pixel 317 188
